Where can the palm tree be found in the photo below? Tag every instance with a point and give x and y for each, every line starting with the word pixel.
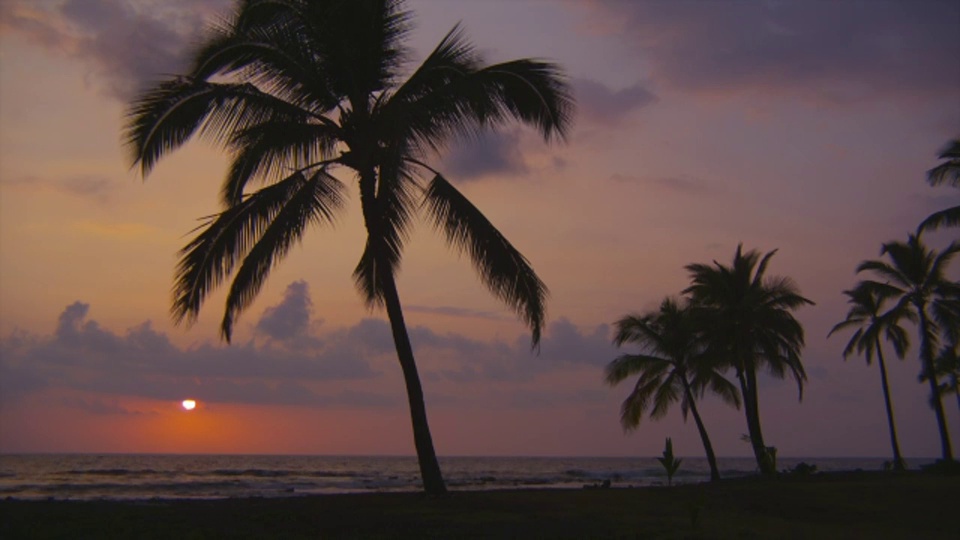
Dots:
pixel 916 278
pixel 299 89
pixel 748 324
pixel 947 172
pixel 672 367
pixel 866 306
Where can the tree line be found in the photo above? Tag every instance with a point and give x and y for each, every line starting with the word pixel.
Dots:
pixel 736 319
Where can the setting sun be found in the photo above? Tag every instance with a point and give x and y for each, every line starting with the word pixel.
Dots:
pixel 189 404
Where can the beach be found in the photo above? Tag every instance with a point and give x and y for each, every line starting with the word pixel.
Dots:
pixel 825 505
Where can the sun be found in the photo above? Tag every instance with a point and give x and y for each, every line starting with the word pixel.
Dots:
pixel 188 404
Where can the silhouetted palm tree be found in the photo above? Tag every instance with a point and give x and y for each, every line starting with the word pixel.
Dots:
pixel 916 278
pixel 672 367
pixel 947 172
pixel 866 315
pixel 299 89
pixel 748 324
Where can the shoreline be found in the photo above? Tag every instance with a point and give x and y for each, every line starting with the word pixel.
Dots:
pixel 850 504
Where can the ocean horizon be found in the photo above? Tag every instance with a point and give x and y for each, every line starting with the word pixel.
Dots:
pixel 114 476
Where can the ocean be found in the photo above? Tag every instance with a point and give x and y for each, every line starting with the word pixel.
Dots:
pixel 149 476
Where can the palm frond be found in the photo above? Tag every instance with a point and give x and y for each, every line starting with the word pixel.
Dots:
pixel 502 268
pixel 453 95
pixel 949 171
pixel 944 218
pixel 315 200
pixel 626 365
pixel 164 118
pixel 272 149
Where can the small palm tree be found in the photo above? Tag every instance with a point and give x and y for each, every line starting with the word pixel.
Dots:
pixel 672 366
pixel 947 172
pixel 915 277
pixel 300 91
pixel 748 324
pixel 871 323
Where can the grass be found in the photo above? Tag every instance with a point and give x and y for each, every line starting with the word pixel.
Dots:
pixel 822 506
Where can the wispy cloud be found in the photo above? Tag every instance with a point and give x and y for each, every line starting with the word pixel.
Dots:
pixel 680 183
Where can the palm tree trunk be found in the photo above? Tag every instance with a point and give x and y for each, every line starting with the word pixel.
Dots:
pixel 707 447
pixel 897 458
pixel 423 441
pixel 926 356
pixel 429 466
pixel 748 387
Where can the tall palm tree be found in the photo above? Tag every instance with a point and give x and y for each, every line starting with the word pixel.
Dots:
pixel 915 277
pixel 672 367
pixel 298 90
pixel 867 316
pixel 748 323
pixel 947 172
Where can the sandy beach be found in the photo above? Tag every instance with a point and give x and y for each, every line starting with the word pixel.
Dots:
pixel 835 505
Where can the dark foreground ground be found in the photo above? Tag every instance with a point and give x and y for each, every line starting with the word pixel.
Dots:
pixel 840 505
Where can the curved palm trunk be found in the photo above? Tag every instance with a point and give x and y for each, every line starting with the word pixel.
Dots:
pixel 748 386
pixel 426 456
pixel 707 447
pixel 926 356
pixel 898 464
pixel 429 467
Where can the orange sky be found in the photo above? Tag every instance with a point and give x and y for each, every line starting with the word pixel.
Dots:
pixel 697 128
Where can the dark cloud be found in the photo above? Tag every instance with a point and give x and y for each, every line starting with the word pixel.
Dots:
pixel 126 44
pixel 598 103
pixel 836 51
pixel 490 153
pixel 290 318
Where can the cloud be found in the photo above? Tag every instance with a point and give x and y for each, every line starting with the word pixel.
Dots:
pixel 837 51
pixel 98 189
pixel 452 311
pixel 81 355
pixel 490 153
pixel 681 183
pixel 101 407
pixel 125 44
pixel 291 317
pixel 464 360
pixel 289 362
pixel 597 102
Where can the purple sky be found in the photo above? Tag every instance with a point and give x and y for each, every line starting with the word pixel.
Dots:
pixel 803 126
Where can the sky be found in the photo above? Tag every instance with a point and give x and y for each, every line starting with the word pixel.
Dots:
pixel 805 127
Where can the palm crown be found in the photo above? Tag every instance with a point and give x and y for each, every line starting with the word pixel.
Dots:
pixel 751 319
pixel 672 360
pixel 298 89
